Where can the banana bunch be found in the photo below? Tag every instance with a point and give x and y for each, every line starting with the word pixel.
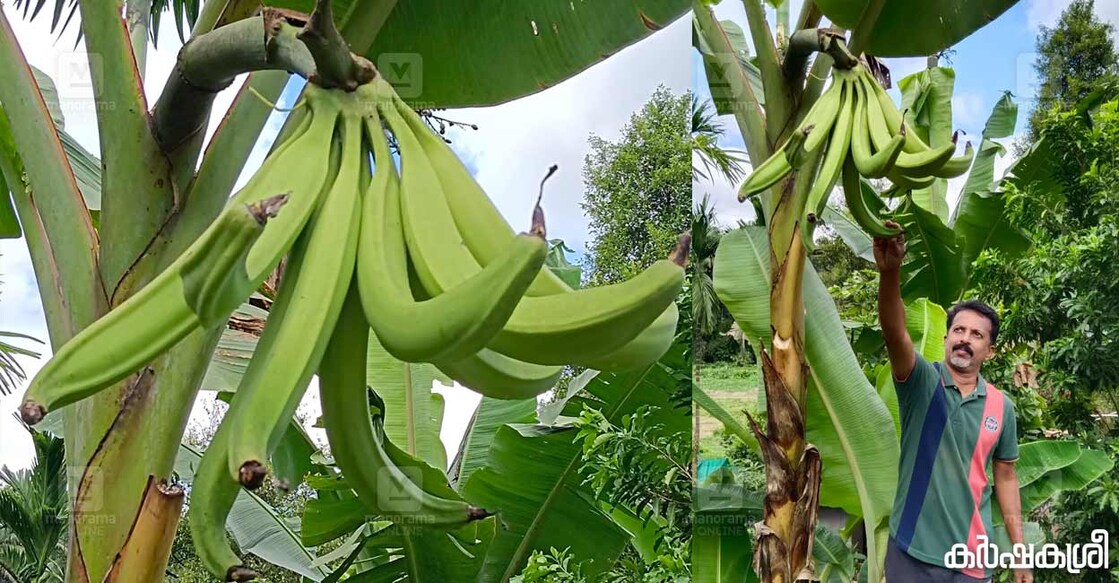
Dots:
pixel 855 130
pixel 413 252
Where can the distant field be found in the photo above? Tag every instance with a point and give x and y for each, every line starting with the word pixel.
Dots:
pixel 735 388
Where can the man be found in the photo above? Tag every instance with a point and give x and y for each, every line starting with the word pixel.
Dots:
pixel 953 426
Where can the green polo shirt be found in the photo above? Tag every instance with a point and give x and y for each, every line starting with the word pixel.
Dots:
pixel 947 443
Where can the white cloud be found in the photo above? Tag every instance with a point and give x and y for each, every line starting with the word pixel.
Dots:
pixel 513 147
pixel 1047 12
pixel 552 127
pixel 968 110
pixel 1041 13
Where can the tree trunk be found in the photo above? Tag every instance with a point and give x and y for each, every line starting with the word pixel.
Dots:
pixel 783 549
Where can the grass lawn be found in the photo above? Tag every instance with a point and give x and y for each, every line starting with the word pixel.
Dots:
pixel 733 387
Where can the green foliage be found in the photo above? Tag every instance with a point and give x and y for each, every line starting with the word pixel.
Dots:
pixel 11 373
pixel 33 515
pixel 638 189
pixel 710 318
pixel 1060 303
pixel 1075 56
pixel 638 464
pixel 551 567
pixel 1075 514
pixel 706 132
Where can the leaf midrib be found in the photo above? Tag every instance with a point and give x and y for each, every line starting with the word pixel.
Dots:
pixel 520 552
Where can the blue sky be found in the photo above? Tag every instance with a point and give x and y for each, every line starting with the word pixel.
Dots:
pixel 997 58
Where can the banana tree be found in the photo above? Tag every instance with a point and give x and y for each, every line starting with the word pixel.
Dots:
pixel 814 387
pixel 95 243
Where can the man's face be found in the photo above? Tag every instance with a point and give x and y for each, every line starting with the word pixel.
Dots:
pixel 968 342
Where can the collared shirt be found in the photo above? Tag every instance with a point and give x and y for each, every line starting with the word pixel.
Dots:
pixel 947 442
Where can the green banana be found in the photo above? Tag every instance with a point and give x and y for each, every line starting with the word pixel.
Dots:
pixel 358 442
pixel 300 166
pixel 649 346
pixel 500 377
pixel 795 152
pixel 925 163
pixel 818 122
pixel 198 290
pixel 905 182
pixel 581 326
pixel 881 132
pixel 837 149
pixel 766 174
pixel 554 329
pixel 487 235
pixel 856 203
pixel 958 165
pixel 493 374
pixel 454 324
pixel 306 308
pixel 213 493
pixel 871 164
pixel 894 118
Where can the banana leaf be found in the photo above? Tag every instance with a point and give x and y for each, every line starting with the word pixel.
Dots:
pixel 935 269
pixel 458 54
pixel 856 239
pixel 532 479
pixel 722 545
pixel 256 527
pixel 1000 124
pixel 846 420
pixel 915 29
pixel 1087 468
pixel 420 555
pixel 9 222
pixel 927 102
pixel 719 71
pixel 980 217
pixel 1037 458
pixel 413 413
pixel 491 414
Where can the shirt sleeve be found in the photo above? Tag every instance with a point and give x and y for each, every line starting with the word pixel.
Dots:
pixel 921 379
pixel 1007 447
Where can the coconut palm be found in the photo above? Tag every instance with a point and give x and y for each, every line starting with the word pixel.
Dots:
pixel 706 132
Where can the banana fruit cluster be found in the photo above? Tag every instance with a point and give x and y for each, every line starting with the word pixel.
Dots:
pixel 854 129
pixel 406 246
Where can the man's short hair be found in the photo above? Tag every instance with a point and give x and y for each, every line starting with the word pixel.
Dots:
pixel 980 307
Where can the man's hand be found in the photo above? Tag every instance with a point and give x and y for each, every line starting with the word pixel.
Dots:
pixel 1023 576
pixel 888 252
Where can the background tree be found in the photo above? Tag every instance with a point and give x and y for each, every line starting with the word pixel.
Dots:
pixel 1073 57
pixel 638 189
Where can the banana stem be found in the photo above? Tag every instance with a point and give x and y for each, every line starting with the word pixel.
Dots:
pixel 209 63
pixel 335 65
pixel 810 40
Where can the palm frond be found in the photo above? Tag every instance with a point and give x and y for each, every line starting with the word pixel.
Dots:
pixel 185 13
pixel 11 373
pixel 706 132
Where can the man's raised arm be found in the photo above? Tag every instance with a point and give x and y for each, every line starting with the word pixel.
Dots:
pixel 888 253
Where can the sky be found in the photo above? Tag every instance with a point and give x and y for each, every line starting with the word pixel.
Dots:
pixel 549 127
pixel 997 58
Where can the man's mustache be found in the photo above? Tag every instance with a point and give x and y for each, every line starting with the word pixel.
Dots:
pixel 963 347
